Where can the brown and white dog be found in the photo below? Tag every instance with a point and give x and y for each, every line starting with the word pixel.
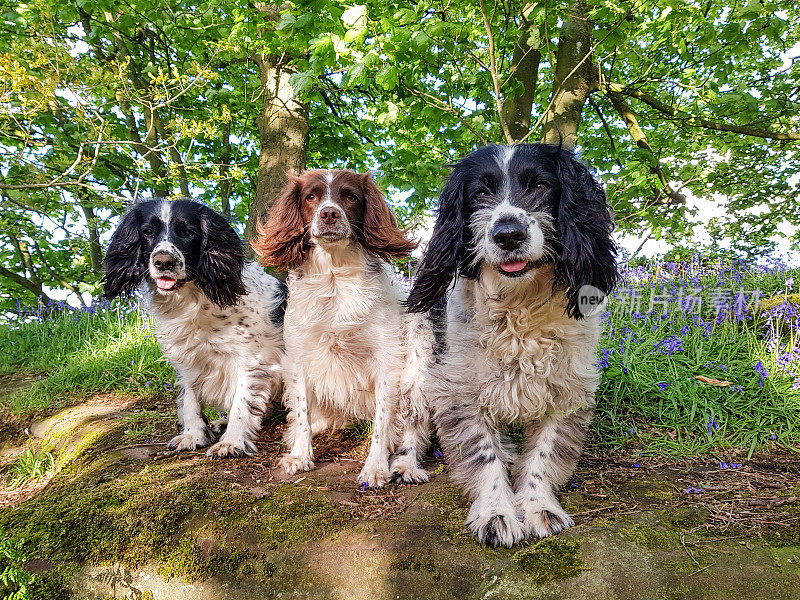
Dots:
pixel 352 351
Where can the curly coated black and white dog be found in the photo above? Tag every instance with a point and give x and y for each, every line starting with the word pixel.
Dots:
pixel 523 234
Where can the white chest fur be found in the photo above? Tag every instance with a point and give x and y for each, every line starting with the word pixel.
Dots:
pixel 342 329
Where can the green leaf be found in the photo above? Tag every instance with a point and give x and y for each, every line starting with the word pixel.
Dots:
pixel 387 77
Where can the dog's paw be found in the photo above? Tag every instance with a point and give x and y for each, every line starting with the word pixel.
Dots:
pixel 374 475
pixel 499 527
pixel 406 471
pixel 189 441
pixel 225 449
pixel 544 521
pixel 218 426
pixel 292 464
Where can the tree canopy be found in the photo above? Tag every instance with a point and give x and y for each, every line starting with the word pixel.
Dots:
pixel 105 100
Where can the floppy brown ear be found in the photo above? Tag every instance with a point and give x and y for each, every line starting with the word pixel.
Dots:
pixel 380 232
pixel 282 239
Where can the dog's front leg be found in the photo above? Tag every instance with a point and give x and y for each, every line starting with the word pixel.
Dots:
pixel 195 433
pixel 244 421
pixel 478 461
pixel 552 448
pixel 376 471
pixel 298 435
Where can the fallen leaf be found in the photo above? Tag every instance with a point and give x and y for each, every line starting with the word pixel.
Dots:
pixel 716 382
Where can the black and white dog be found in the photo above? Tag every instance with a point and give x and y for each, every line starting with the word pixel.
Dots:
pixel 219 319
pixel 525 232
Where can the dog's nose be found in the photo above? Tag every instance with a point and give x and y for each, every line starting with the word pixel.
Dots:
pixel 509 234
pixel 164 261
pixel 329 215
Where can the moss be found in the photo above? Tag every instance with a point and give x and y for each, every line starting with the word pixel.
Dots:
pixel 411 562
pixel 452 509
pixel 655 489
pixel 291 515
pixel 650 537
pixel 680 592
pixel 552 559
pixel 101 513
pixel 774 301
pixel 688 518
pixel 52 583
pixel 190 563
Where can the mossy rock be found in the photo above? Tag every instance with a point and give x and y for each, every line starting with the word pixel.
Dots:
pixel 773 301
pixel 651 537
pixel 552 559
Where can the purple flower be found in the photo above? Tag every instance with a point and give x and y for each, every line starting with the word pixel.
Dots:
pixel 662 385
pixel 735 465
pixel 364 486
pixel 438 454
pixel 790 282
pixel 724 465
pixel 693 490
pixel 636 465
pixel 772 435
pixel 762 372
pixel 712 425
pixel 670 345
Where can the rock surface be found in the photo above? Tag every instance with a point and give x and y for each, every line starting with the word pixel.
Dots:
pixel 121 519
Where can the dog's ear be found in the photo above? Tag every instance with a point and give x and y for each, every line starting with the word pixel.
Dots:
pixel 282 239
pixel 380 233
pixel 584 221
pixel 218 272
pixel 449 249
pixel 125 263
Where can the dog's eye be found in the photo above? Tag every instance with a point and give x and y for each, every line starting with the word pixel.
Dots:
pixel 310 197
pixel 148 231
pixel 541 186
pixel 350 196
pixel 185 231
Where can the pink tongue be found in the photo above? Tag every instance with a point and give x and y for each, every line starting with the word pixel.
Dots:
pixel 165 284
pixel 513 266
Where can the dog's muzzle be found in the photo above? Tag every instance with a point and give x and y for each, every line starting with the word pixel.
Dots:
pixel 509 234
pixel 330 223
pixel 167 270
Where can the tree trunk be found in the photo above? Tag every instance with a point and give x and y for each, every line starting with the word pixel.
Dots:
pixel 525 68
pixel 283 131
pixel 575 78
pixel 224 170
pixel 95 249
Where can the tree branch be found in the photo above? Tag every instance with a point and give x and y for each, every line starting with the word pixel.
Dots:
pixel 619 104
pixel 21 281
pixel 495 78
pixel 677 113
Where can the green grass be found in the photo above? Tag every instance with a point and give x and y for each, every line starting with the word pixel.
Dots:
pixel 649 397
pixel 30 466
pixel 146 423
pixel 79 353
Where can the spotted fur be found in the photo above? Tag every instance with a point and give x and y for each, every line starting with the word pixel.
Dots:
pixel 521 230
pixel 220 326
